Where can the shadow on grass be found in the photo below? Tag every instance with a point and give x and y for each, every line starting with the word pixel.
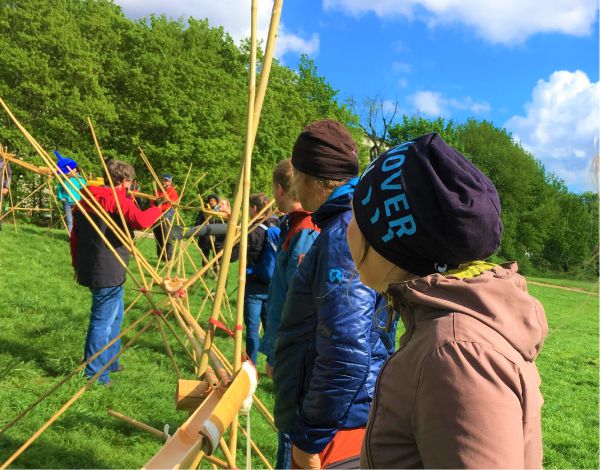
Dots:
pixel 44 454
pixel 24 352
pixel 104 421
pixel 30 230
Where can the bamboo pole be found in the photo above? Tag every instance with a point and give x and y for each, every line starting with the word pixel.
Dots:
pixel 138 424
pixel 22 201
pixel 12 204
pixel 168 348
pixel 32 209
pixel 212 459
pixel 260 93
pixel 118 203
pixel 2 179
pixel 178 338
pixel 75 371
pixel 197 460
pixel 221 254
pixel 245 188
pixel 40 170
pixel 70 402
pixel 227 453
pixel 255 447
pixel 60 209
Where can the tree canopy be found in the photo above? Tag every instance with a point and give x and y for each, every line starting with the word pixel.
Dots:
pixel 178 90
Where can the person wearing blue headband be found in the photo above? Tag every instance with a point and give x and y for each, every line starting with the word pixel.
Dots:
pixel 70 183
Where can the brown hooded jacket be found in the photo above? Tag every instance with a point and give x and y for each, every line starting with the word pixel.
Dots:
pixel 463 389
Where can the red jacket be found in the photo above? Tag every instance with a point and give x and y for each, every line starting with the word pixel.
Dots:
pixel 171 195
pixel 95 264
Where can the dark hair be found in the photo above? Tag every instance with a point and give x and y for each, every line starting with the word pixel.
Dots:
pixel 120 171
pixel 259 200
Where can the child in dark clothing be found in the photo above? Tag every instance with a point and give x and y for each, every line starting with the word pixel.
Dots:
pixel 262 247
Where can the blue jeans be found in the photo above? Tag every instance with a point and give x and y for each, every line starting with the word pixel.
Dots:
pixel 255 311
pixel 284 451
pixel 105 323
pixel 68 208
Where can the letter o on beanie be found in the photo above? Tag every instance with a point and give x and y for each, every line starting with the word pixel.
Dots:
pixel 325 149
pixel 426 208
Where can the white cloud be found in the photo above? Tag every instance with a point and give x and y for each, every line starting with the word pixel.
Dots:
pixel 561 126
pixel 428 102
pixel 498 21
pixel 233 15
pixel 434 104
pixel 292 43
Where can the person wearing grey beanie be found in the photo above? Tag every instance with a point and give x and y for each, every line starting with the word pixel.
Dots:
pixel 463 389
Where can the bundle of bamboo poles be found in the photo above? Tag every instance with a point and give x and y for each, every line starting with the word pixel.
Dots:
pixel 150 276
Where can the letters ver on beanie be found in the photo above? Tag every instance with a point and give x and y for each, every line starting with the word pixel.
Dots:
pixel 426 208
pixel 326 149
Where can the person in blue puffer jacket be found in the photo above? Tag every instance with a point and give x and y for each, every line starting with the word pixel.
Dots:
pixel 334 335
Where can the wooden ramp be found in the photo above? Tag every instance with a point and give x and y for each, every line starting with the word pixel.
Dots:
pixel 205 427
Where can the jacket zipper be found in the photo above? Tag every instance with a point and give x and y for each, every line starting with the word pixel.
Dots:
pixel 374 406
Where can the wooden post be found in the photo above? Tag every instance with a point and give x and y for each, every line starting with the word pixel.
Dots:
pixel 190 394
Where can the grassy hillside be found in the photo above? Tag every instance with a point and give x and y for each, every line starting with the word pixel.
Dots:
pixel 44 320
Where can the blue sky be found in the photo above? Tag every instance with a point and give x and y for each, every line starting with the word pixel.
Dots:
pixel 528 65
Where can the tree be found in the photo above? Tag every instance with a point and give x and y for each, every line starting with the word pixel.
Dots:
pixel 376 118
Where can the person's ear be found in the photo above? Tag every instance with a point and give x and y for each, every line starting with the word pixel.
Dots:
pixel 279 191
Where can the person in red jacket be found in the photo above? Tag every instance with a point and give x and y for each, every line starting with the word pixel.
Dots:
pixel 162 231
pixel 97 267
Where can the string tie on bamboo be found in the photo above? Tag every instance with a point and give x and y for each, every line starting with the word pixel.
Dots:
pixel 221 326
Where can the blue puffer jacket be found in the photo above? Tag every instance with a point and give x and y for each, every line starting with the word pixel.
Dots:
pixel 331 343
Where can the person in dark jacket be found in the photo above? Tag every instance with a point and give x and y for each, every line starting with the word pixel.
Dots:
pixel 204 242
pixel 258 275
pixel 5 180
pixel 463 390
pixel 162 232
pixel 332 340
pixel 214 243
pixel 97 267
pixel 298 233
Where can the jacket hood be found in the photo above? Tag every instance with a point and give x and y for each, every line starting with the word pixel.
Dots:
pixel 331 208
pixel 104 195
pixel 498 298
pixel 103 192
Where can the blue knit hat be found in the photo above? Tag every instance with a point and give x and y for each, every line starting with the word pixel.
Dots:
pixel 65 165
pixel 167 176
pixel 426 208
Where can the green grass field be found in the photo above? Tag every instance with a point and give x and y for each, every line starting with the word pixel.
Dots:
pixel 44 320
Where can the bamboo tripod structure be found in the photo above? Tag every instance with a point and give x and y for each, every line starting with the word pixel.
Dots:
pixel 173 289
